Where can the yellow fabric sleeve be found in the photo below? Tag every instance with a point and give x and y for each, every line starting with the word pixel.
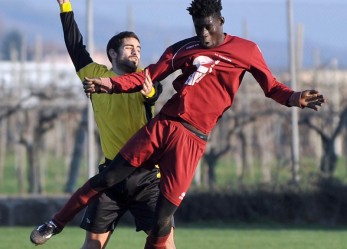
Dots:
pixel 65 7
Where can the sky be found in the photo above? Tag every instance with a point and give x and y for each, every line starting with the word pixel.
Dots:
pixel 160 23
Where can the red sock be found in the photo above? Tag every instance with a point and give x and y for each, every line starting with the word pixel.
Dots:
pixel 76 203
pixel 156 242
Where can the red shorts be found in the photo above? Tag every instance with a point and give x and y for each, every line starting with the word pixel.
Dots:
pixel 176 149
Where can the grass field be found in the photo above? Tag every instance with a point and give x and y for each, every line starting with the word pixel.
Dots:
pixel 196 237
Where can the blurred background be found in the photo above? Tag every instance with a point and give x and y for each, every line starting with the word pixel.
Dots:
pixel 159 24
pixel 254 152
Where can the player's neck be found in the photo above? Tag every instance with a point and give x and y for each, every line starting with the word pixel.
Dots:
pixel 118 71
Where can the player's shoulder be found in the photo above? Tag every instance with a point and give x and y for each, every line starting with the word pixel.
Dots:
pixel 236 40
pixel 188 42
pixel 241 45
pixel 95 70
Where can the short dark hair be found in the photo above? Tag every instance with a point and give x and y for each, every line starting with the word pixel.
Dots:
pixel 116 41
pixel 204 8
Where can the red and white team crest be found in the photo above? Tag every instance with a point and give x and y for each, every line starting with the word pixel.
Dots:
pixel 204 65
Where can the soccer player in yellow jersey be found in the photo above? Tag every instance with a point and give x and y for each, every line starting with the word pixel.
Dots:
pixel 118 117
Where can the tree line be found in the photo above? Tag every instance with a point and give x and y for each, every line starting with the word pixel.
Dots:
pixel 41 120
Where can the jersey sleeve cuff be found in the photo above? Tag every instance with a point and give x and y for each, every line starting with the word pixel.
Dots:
pixel 294 99
pixel 65 7
pixel 151 94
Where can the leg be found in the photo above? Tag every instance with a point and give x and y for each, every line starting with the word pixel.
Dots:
pixel 170 243
pixel 96 240
pixel 101 217
pixel 143 189
pixel 162 224
pixel 118 170
pixel 177 166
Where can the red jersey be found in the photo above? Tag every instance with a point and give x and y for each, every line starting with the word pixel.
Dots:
pixel 210 79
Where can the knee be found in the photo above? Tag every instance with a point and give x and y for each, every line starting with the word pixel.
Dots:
pixel 92 244
pixel 163 225
pixel 95 241
pixel 164 221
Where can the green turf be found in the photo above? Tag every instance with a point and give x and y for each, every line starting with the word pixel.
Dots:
pixel 199 237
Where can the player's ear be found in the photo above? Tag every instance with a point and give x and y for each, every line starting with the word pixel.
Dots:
pixel 112 53
pixel 222 20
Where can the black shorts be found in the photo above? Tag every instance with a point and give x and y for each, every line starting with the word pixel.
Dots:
pixel 137 194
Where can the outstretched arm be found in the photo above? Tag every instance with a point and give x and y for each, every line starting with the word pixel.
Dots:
pixel 104 85
pixel 278 91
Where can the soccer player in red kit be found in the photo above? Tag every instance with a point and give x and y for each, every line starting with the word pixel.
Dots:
pixel 213 64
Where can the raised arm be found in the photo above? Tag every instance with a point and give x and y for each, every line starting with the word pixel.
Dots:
pixel 72 36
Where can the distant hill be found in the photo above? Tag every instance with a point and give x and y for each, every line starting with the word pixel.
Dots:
pixel 43 20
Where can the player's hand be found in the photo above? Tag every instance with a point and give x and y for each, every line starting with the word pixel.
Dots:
pixel 97 85
pixel 311 99
pixel 147 85
pixel 91 85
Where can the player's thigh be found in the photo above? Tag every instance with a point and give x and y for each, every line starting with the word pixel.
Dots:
pixel 96 240
pixel 103 214
pixel 178 163
pixel 143 205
